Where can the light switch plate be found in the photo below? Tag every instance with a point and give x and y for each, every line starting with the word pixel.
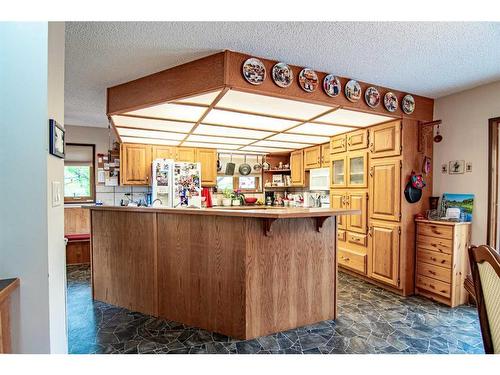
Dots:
pixel 56 194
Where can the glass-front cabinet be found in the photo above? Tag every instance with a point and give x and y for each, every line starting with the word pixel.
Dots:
pixel 357 167
pixel 338 171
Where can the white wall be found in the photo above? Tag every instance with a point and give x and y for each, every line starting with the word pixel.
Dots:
pixel 465 118
pixel 30 230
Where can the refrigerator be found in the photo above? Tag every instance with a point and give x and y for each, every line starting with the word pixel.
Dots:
pixel 176 184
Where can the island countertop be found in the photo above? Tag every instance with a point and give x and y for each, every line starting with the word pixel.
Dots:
pixel 239 211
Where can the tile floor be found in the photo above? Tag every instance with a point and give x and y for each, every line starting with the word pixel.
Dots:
pixel 371 320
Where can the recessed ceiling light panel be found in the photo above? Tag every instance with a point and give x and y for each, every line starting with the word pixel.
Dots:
pixel 171 111
pixel 149 141
pixel 127 132
pixel 203 99
pixel 319 129
pixel 210 145
pixel 229 118
pixel 145 123
pixel 353 118
pixel 230 132
pixel 264 149
pixel 211 139
pixel 299 138
pixel 287 145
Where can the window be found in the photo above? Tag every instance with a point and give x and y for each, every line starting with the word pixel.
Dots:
pixel 247 183
pixel 79 177
pixel 224 182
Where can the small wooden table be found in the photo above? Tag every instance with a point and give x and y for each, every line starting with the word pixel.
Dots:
pixel 7 287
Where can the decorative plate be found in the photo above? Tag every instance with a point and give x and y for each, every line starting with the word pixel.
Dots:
pixel 372 97
pixel 282 74
pixel 308 79
pixel 353 91
pixel 390 102
pixel 408 104
pixel 331 85
pixel 254 71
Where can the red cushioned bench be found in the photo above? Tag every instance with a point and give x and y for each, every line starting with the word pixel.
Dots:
pixel 78 248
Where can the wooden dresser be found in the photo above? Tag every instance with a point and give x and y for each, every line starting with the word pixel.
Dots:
pixel 442 261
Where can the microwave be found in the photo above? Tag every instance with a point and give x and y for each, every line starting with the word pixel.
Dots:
pixel 319 179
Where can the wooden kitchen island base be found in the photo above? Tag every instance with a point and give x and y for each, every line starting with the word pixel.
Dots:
pixel 244 273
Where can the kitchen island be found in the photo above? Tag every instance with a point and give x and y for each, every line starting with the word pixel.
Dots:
pixel 244 273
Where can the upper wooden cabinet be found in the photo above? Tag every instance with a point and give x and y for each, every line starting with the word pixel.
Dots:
pixel 385 140
pixel 185 154
pixel 325 155
pixel 297 168
pixel 163 152
pixel 338 144
pixel 312 157
pixel 384 245
pixel 385 189
pixel 338 169
pixel 357 140
pixel 207 157
pixel 357 168
pixel 135 167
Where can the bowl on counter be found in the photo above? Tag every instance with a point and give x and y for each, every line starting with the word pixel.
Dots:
pixel 250 200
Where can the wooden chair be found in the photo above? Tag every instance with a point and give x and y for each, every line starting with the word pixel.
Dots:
pixel 485 266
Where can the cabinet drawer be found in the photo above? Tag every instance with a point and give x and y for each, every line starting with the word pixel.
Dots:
pixel 341 235
pixel 434 286
pixel 433 257
pixel 441 231
pixel 352 260
pixel 358 239
pixel 434 272
pixel 434 244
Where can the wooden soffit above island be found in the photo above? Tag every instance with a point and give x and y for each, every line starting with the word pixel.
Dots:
pixel 213 84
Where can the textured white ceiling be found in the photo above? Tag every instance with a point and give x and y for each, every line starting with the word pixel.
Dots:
pixel 430 59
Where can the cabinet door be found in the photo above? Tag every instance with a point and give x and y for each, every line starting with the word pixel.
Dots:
pixel 384 252
pixel 385 140
pixel 357 140
pixel 325 155
pixel 357 168
pixel 337 171
pixel 338 201
pixel 357 200
pixel 163 152
pixel 312 157
pixel 207 157
pixel 135 167
pixel 297 168
pixel 186 154
pixel 385 189
pixel 338 144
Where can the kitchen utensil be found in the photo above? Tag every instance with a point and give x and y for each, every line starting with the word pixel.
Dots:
pixel 265 165
pixel 438 137
pixel 230 167
pixel 257 167
pixel 412 194
pixel 245 168
pixel 219 164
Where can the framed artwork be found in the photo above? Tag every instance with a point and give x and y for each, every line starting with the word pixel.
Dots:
pixel 56 139
pixel 464 202
pixel 457 167
pixel 468 166
pixel 444 168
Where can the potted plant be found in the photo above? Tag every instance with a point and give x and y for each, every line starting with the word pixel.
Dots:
pixel 227 195
pixel 238 198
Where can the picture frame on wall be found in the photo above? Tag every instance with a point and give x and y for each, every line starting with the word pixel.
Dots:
pixel 56 139
pixel 456 167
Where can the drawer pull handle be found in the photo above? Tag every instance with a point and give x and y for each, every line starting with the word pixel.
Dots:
pixel 432 272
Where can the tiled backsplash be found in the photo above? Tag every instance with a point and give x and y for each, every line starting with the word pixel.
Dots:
pixel 112 195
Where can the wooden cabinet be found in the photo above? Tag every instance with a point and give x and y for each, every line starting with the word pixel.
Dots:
pixel 135 167
pixel 185 154
pixel 357 168
pixel 338 201
pixel 163 152
pixel 338 144
pixel 312 157
pixel 207 157
pixel 385 189
pixel 384 247
pixel 325 155
pixel 385 140
pixel 357 140
pixel 338 166
pixel 357 200
pixel 297 174
pixel 442 261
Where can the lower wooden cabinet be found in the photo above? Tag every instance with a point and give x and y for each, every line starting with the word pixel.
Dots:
pixel 297 168
pixel 352 259
pixel 357 200
pixel 338 201
pixel 384 248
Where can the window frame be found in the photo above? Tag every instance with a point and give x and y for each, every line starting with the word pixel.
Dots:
pixel 92 197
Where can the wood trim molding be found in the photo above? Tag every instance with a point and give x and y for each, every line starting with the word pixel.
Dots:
pixel 493 181
pixel 424 130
